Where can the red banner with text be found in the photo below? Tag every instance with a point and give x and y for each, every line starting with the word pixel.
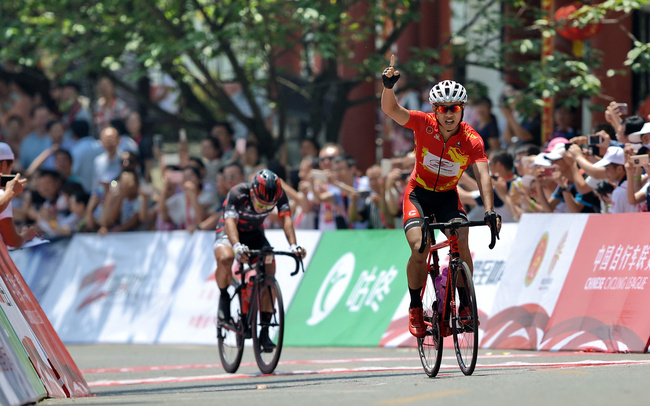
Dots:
pixel 603 303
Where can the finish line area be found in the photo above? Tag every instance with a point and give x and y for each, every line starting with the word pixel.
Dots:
pixel 169 374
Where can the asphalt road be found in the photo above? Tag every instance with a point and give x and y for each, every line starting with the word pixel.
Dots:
pixel 191 375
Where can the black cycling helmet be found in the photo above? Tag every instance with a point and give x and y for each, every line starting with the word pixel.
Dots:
pixel 266 186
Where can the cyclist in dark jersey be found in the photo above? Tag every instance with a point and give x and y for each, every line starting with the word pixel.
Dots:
pixel 241 228
pixel 445 146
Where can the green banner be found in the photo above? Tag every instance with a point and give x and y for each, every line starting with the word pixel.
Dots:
pixel 351 290
pixel 39 391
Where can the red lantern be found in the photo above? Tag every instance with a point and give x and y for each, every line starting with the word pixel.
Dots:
pixel 562 16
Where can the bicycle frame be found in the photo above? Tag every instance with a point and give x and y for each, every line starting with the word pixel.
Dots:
pixel 433 261
pixel 264 299
pixel 442 316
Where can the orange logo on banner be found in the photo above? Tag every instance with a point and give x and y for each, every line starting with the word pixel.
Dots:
pixel 558 252
pixel 536 262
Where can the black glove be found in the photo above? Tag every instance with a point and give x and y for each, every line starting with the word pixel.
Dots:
pixel 389 82
pixel 491 218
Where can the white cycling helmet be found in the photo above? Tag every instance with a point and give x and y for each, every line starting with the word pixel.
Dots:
pixel 448 91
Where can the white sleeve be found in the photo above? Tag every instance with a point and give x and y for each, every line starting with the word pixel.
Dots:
pixel 8 211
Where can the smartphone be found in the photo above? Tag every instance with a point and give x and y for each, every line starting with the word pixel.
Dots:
pixel 548 171
pixel 405 175
pixel 364 194
pixel 595 139
pixel 319 176
pixel 7 178
pixel 637 160
pixel 386 166
pixel 622 108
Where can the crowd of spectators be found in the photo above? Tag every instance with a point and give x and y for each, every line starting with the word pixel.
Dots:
pixel 92 167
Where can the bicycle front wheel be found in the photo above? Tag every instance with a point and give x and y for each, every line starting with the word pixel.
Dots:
pixel 464 317
pixel 230 334
pixel 430 346
pixel 268 324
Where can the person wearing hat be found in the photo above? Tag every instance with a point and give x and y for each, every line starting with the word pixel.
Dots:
pixel 8 233
pixel 567 197
pixel 638 183
pixel 613 162
pixel 642 136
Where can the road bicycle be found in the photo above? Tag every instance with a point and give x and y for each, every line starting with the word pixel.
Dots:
pixel 449 300
pixel 249 300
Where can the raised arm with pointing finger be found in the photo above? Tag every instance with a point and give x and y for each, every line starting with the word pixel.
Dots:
pixel 445 147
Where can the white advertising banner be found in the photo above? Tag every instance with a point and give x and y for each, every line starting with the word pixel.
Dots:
pixel 533 278
pixel 193 311
pixel 115 288
pixel 489 266
pixel 148 287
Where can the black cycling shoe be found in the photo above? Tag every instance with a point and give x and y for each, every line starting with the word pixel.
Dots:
pixel 265 341
pixel 224 310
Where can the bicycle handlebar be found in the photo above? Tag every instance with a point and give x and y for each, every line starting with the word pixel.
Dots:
pixel 454 225
pixel 270 251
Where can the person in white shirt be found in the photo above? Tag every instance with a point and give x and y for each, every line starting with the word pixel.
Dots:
pixel 8 233
pixel 613 162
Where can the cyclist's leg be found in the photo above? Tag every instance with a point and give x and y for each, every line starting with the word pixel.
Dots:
pixel 413 219
pixel 416 267
pixel 257 240
pixel 224 256
pixel 452 208
pixel 463 248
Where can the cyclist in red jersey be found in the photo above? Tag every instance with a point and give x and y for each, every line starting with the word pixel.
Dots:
pixel 445 147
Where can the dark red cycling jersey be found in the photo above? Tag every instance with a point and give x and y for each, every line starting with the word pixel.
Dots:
pixel 239 205
pixel 439 164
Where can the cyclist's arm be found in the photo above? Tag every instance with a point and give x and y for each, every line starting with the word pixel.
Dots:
pixel 392 108
pixel 231 230
pixel 287 226
pixel 484 184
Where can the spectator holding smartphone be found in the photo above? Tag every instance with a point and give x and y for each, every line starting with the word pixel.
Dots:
pixel 638 186
pixel 614 164
pixel 8 233
pixel 566 198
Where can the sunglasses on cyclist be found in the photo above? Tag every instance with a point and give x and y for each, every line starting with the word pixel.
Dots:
pixel 454 108
pixel 262 205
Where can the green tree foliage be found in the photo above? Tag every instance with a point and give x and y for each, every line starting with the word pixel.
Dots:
pixel 204 44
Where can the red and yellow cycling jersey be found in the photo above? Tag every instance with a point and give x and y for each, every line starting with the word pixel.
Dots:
pixel 439 164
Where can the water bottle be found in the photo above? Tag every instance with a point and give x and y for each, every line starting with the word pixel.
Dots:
pixel 441 285
pixel 246 295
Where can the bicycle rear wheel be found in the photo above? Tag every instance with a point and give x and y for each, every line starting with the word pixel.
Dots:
pixel 230 334
pixel 430 346
pixel 464 317
pixel 268 325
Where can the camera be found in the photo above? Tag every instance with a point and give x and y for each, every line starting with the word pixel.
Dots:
pixel 640 160
pixel 622 108
pixel 595 139
pixel 604 188
pixel 6 179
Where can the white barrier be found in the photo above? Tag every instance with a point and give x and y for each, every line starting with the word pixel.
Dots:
pixel 147 287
